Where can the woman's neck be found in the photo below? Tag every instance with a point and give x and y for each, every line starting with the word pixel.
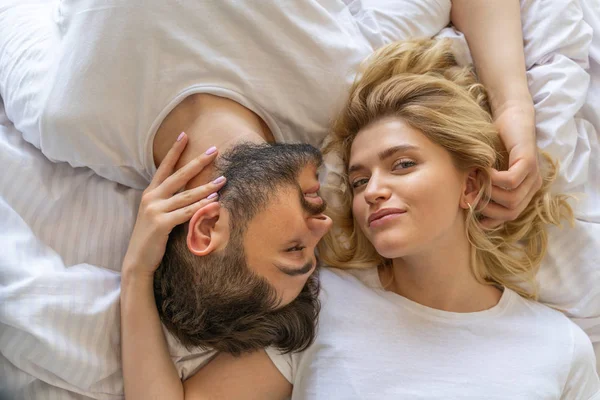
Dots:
pixel 208 121
pixel 441 278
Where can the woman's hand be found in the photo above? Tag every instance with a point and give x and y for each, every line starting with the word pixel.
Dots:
pixel 495 36
pixel 163 207
pixel 512 190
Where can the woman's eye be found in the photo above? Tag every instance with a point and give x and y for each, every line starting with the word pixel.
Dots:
pixel 403 164
pixel 295 248
pixel 359 182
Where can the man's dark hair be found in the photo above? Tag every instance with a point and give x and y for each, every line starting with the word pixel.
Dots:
pixel 217 301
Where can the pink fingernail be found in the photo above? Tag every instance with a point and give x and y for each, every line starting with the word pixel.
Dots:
pixel 211 151
pixel 219 180
pixel 181 135
pixel 212 196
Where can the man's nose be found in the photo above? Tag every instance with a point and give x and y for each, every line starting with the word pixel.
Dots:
pixel 319 225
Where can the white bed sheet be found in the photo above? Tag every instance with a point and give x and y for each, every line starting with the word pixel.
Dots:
pixel 59 319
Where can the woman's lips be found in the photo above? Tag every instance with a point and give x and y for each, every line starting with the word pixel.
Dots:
pixel 383 216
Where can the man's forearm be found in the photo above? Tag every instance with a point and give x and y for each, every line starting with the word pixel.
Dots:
pixel 148 370
pixel 494 34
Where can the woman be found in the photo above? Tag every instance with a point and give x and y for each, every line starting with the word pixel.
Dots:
pixel 425 302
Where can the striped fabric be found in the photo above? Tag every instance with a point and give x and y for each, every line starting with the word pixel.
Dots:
pixel 65 232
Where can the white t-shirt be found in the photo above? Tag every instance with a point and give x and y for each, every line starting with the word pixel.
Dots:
pixel 118 68
pixel 374 344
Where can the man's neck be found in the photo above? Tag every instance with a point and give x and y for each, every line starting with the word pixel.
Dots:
pixel 208 121
pixel 442 278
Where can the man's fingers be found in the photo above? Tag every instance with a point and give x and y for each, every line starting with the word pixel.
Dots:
pixel 166 167
pixel 194 195
pixel 180 178
pixel 512 178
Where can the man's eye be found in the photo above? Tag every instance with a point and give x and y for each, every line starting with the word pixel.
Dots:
pixel 295 248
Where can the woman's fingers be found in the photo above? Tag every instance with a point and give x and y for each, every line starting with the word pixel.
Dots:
pixel 184 214
pixel 511 199
pixel 194 195
pixel 181 177
pixel 507 205
pixel 166 167
pixel 512 178
pixel 497 214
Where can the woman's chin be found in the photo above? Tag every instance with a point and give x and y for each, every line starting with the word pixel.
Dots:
pixel 391 250
pixel 390 244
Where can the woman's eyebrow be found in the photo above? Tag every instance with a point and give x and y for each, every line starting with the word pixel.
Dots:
pixel 396 149
pixel 384 154
pixel 354 168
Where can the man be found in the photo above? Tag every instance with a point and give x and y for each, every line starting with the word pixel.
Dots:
pixel 234 278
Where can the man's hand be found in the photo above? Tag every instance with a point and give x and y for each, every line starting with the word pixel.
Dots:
pixel 162 208
pixel 512 190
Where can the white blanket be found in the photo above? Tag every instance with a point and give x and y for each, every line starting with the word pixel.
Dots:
pixel 59 320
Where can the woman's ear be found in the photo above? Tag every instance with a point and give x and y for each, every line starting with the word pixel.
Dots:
pixel 208 230
pixel 473 183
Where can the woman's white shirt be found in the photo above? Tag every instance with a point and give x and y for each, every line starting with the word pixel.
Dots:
pixel 374 344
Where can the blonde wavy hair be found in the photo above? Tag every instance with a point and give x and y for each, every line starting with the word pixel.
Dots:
pixel 421 82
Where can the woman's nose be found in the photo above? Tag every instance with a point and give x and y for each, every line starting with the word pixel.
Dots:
pixel 376 190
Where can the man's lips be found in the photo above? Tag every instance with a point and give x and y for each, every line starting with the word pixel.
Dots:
pixel 312 195
pixel 383 213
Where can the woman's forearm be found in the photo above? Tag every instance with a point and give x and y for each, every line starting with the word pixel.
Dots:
pixel 148 370
pixel 494 34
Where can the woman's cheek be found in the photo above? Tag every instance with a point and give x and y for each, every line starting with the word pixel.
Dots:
pixel 357 208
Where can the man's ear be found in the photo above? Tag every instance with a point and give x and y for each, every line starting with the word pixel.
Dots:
pixel 473 182
pixel 208 230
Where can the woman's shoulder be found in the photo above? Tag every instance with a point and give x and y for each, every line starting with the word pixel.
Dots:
pixel 348 293
pixel 583 381
pixel 545 317
pixel 539 311
pixel 562 339
pixel 365 278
